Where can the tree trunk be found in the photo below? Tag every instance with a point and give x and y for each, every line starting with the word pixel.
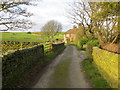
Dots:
pixel 115 39
pixel 100 38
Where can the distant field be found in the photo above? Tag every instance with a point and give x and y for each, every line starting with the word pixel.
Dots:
pixel 25 37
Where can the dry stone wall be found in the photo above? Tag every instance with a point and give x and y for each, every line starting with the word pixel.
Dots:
pixel 17 63
pixel 108 64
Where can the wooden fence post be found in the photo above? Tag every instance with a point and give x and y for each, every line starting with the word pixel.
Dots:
pixel 50 46
pixel 21 45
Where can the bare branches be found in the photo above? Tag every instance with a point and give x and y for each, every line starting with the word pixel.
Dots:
pixel 13 15
pixel 80 12
pixel 7 5
pixel 51 28
pixel 97 17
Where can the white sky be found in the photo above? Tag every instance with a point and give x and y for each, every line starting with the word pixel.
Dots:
pixel 50 10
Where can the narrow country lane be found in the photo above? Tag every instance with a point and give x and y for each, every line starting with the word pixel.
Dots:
pixel 65 71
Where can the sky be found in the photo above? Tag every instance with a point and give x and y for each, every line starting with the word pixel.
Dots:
pixel 50 10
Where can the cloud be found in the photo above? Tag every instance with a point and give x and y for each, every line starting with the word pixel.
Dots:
pixel 49 10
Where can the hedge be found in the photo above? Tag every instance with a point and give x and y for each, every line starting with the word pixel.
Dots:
pixel 89 47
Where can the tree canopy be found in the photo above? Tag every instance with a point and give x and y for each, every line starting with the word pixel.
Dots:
pixel 100 18
pixel 51 28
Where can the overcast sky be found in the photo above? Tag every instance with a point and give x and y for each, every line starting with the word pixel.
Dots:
pixel 50 10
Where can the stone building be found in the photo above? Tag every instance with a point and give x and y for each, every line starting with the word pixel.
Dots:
pixel 70 35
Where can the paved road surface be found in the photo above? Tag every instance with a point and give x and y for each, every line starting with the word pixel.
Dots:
pixel 65 71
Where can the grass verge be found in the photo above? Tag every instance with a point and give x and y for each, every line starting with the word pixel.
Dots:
pixel 94 75
pixel 81 48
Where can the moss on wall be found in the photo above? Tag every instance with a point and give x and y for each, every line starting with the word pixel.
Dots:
pixel 107 63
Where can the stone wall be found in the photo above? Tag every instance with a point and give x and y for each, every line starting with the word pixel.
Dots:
pixel 108 64
pixel 56 47
pixel 17 63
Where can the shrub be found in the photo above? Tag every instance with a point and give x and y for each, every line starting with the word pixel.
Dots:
pixel 29 33
pixel 82 42
pixel 90 45
pixel 72 43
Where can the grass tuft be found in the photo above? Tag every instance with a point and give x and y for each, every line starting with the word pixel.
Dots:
pixel 94 75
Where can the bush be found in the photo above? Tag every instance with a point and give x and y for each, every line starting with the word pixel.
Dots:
pixel 29 33
pixel 82 42
pixel 72 43
pixel 89 47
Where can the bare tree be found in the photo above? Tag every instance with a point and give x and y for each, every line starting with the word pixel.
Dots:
pixel 105 19
pixel 80 13
pixel 100 18
pixel 13 16
pixel 51 28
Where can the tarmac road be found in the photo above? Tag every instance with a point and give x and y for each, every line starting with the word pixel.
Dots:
pixel 65 71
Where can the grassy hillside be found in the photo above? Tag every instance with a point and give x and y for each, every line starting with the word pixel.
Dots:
pixel 24 36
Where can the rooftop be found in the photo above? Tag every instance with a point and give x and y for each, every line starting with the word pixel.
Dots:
pixel 72 31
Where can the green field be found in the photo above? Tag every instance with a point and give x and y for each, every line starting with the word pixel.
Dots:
pixel 25 37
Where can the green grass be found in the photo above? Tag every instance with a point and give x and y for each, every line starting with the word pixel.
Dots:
pixel 94 75
pixel 21 39
pixel 51 55
pixel 23 36
pixel 79 48
pixel 19 34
